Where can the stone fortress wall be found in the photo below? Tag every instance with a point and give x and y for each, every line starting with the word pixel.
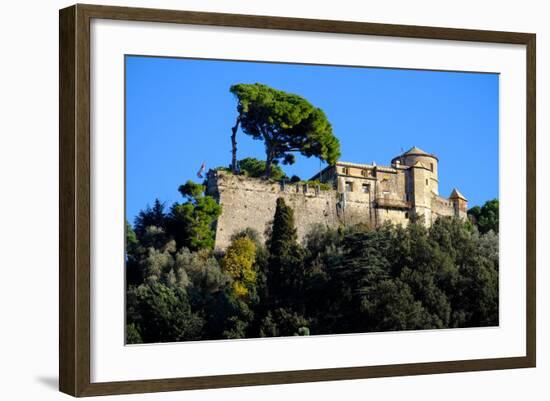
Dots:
pixel 362 193
pixel 250 203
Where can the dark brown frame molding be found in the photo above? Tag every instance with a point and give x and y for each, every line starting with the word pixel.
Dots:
pixel 74 202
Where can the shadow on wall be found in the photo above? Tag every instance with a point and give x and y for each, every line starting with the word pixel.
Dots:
pixel 50 382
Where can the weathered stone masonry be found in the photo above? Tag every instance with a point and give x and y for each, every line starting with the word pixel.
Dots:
pixel 362 193
pixel 250 202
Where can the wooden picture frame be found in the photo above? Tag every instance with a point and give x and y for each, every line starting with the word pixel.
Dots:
pixel 74 204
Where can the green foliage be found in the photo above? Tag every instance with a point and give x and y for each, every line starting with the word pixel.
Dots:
pixel 190 223
pixel 390 305
pixel 286 123
pixel 283 234
pixel 485 217
pixel 283 322
pixel 154 216
pixel 191 190
pixel 295 179
pixel 256 168
pixel 132 244
pixel 131 237
pixel 162 314
pixel 249 233
pixel 303 331
pixel 132 334
pixel 395 278
pixel 323 186
pixel 285 266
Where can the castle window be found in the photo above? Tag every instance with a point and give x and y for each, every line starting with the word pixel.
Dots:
pixel 345 171
pixel 365 173
pixel 432 167
pixel 366 188
pixel 406 215
pixel 349 186
pixel 427 182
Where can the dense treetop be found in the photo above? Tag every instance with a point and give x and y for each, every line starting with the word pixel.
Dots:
pixel 253 167
pixel 486 216
pixel 286 123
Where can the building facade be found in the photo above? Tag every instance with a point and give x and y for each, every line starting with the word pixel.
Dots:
pixel 359 194
pixel 408 188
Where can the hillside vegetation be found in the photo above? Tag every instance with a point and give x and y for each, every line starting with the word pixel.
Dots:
pixel 348 280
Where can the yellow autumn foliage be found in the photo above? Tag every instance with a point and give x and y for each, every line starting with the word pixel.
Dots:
pixel 238 262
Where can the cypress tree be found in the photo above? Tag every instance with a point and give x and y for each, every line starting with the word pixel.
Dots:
pixel 285 273
pixel 283 233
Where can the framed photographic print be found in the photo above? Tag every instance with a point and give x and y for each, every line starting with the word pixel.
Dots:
pixel 250 200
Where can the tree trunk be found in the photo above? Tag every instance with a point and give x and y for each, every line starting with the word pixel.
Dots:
pixel 268 162
pixel 234 145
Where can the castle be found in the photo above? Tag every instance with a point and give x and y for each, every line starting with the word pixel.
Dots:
pixel 361 193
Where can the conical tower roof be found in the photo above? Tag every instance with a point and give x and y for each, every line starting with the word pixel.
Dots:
pixel 457 195
pixel 416 151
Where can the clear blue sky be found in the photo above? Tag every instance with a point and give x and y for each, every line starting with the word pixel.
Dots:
pixel 179 114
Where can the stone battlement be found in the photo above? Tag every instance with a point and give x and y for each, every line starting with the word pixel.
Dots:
pixel 363 193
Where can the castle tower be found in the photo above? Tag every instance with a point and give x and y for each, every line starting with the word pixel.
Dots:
pixel 422 180
pixel 460 204
pixel 429 162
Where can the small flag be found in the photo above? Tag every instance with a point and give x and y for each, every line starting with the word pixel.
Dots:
pixel 201 170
